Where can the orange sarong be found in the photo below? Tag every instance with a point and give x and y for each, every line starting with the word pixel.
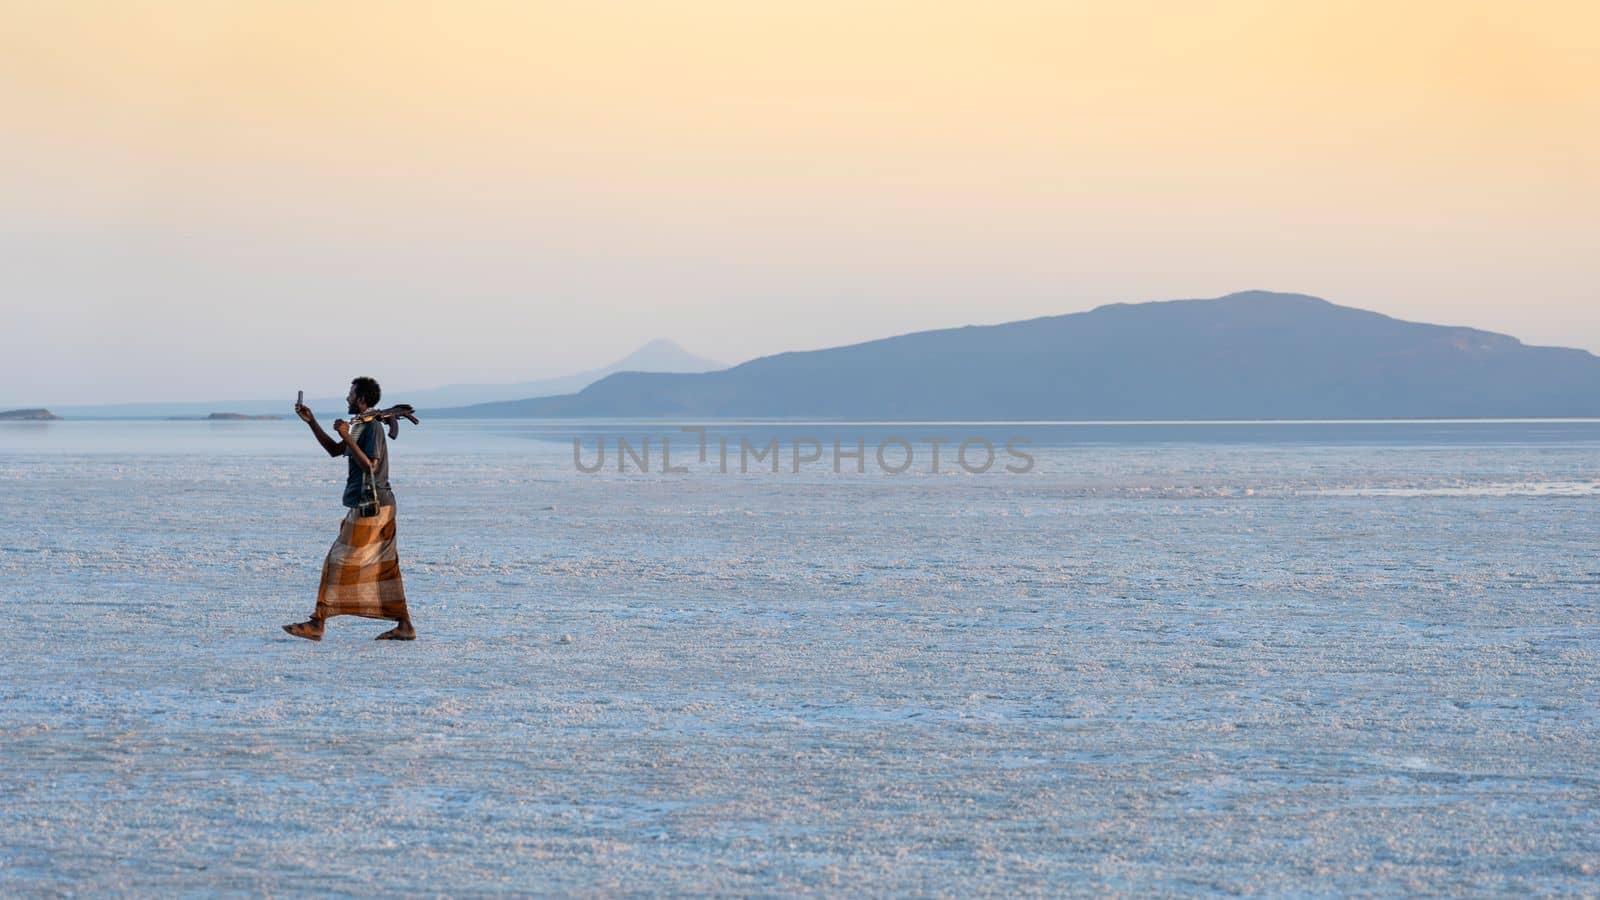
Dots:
pixel 361 576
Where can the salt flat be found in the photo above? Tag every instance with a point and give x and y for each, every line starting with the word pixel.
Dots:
pixel 1151 665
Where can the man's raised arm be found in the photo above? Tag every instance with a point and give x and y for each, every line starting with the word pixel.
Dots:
pixel 334 447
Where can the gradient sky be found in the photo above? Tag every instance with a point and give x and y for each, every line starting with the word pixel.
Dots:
pixel 207 200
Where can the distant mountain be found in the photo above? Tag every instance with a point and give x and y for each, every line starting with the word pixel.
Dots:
pixel 660 355
pixel 657 356
pixel 1252 355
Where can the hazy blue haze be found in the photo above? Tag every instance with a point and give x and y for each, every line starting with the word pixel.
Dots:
pixel 657 356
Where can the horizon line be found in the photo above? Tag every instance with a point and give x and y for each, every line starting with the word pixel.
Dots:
pixel 1451 420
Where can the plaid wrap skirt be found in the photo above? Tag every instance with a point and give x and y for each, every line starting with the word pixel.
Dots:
pixel 361 576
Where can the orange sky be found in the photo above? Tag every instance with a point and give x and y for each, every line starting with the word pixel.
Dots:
pixel 515 188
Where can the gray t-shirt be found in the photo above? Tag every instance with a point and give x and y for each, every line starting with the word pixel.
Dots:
pixel 374 443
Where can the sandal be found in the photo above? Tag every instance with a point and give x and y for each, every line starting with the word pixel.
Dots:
pixel 305 630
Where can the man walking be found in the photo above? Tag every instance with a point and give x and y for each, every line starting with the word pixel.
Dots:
pixel 361 576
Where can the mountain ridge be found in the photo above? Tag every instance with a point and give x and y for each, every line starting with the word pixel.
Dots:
pixel 1248 355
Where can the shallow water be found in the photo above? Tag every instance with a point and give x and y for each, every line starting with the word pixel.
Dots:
pixel 1178 659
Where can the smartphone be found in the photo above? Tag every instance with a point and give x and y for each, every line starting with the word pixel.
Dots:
pixel 299 398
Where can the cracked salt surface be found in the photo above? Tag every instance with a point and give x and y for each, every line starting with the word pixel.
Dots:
pixel 1157 666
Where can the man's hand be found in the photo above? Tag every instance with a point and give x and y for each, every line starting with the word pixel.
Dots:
pixel 304 412
pixel 342 427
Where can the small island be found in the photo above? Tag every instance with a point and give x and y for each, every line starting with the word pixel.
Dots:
pixel 28 415
pixel 224 417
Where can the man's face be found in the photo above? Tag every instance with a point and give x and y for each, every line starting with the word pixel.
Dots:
pixel 350 401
